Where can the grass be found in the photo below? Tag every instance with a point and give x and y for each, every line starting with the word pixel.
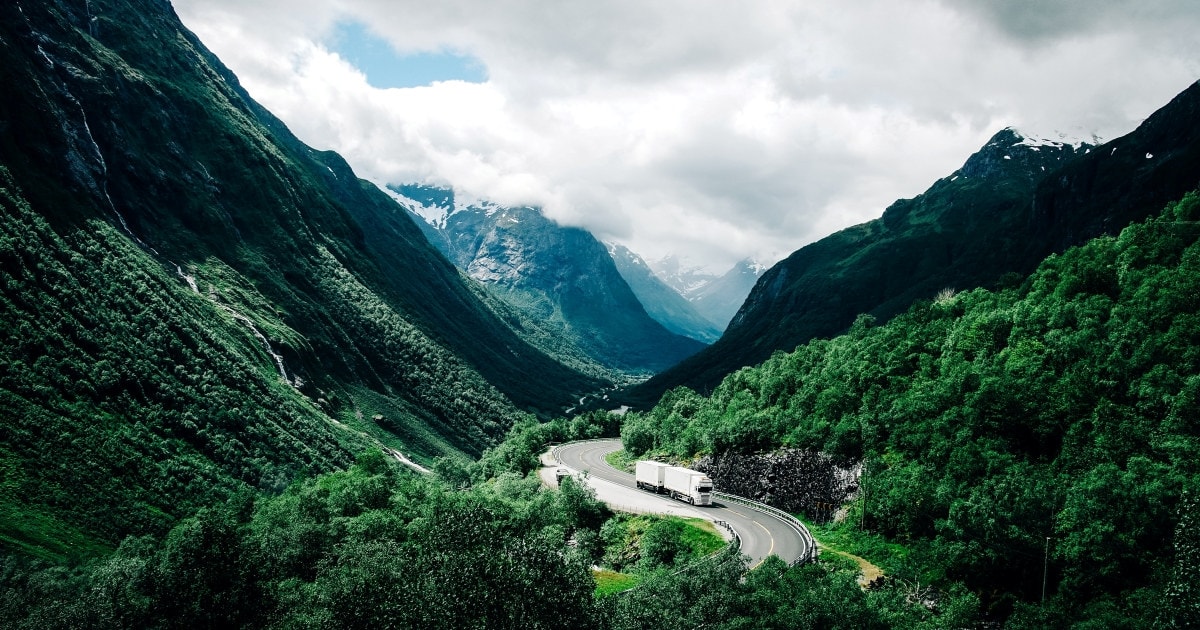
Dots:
pixel 847 539
pixel 43 536
pixel 611 582
pixel 701 536
pixel 620 460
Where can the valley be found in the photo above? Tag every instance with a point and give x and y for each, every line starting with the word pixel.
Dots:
pixel 242 386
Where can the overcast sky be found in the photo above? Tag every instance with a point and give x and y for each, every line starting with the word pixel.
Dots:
pixel 711 129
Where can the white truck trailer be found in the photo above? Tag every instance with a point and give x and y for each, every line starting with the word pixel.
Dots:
pixel 681 483
pixel 649 475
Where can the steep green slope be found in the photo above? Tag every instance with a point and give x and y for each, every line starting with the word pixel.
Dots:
pixel 1005 210
pixel 193 301
pixel 989 422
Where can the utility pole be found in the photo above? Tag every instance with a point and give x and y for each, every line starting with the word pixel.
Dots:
pixel 862 488
pixel 1045 570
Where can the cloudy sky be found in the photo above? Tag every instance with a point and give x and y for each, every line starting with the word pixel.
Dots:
pixel 710 129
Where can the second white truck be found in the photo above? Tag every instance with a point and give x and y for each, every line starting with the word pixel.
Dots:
pixel 683 484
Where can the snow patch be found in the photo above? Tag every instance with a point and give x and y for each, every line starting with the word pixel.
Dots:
pixel 432 214
pixel 1057 139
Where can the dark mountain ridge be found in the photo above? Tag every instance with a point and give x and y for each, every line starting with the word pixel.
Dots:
pixel 1013 203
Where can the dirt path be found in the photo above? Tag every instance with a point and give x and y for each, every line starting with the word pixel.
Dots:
pixel 869 572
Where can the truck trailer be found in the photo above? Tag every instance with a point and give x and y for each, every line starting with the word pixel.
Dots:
pixel 681 483
pixel 649 475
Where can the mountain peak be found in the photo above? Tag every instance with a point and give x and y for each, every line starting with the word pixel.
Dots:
pixel 1076 139
pixel 1012 152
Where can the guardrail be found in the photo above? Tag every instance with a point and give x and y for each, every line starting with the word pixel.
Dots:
pixel 735 541
pixel 810 545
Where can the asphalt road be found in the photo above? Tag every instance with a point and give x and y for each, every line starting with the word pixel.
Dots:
pixel 762 534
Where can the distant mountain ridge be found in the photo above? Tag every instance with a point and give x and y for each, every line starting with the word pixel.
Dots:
pixel 662 302
pixel 716 298
pixel 561 277
pixel 1010 205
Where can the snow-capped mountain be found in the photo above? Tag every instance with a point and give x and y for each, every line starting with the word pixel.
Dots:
pixel 663 302
pixel 686 279
pixel 562 279
pixel 719 299
pixel 715 298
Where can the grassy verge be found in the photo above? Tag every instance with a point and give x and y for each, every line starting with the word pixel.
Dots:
pixel 634 545
pixel 621 460
pixel 610 582
pixel 848 539
pixel 701 536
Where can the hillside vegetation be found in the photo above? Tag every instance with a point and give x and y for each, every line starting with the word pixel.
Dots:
pixel 1062 407
pixel 484 545
pixel 195 302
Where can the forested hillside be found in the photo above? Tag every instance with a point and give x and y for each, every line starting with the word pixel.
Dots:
pixel 195 302
pixel 484 546
pixel 1053 418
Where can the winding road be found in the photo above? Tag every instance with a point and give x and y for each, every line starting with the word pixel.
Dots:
pixel 763 534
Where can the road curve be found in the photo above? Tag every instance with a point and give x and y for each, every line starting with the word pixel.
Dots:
pixel 762 534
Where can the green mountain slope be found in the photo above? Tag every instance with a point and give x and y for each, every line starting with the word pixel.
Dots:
pixel 194 301
pixel 1011 204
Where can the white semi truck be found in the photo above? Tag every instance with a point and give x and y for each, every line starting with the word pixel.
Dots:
pixel 681 483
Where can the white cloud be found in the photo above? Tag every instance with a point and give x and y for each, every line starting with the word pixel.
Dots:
pixel 706 128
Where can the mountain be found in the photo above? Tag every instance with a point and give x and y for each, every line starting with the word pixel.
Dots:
pixel 716 298
pixel 720 299
pixel 562 278
pixel 685 279
pixel 196 303
pixel 662 302
pixel 1063 405
pixel 1013 203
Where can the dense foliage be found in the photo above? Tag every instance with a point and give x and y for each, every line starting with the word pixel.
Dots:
pixel 375 547
pixel 1057 414
pixel 370 547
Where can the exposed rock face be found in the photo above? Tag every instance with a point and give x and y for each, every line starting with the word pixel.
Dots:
pixel 792 480
pixel 560 277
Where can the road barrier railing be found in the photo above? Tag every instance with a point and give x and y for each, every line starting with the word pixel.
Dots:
pixel 810 545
